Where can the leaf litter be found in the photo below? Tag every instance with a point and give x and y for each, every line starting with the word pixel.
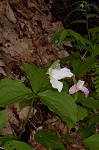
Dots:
pixel 25 32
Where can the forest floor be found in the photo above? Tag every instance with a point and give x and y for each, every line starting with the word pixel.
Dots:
pixel 25 32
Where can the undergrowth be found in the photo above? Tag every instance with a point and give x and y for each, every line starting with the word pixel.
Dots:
pixel 74 100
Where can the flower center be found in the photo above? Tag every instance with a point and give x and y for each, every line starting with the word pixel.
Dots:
pixel 52 73
pixel 77 87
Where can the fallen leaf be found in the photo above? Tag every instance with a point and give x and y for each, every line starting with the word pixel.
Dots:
pixel 67 43
pixel 23 113
pixel 9 13
pixel 2 63
pixel 2 71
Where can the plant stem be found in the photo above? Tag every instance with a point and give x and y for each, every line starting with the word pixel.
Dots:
pixel 26 120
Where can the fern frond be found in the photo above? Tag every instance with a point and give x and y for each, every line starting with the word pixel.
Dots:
pixel 95 74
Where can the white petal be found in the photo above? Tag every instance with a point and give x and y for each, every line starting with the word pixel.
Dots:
pixel 61 73
pixel 56 84
pixel 80 84
pixel 85 91
pixel 73 89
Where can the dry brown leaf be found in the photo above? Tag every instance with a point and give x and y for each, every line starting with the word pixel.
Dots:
pixel 68 43
pixel 2 63
pixel 6 130
pixel 9 13
pixel 2 71
pixel 62 53
pixel 23 113
pixel 64 130
pixel 40 147
pixel 12 115
pixel 57 25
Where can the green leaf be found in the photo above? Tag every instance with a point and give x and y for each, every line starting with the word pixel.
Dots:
pixel 92 142
pixel 56 35
pixel 37 76
pixel 74 56
pixel 61 104
pixel 77 37
pixel 49 139
pixel 17 145
pixel 82 113
pixel 70 124
pixel 3 118
pixel 12 91
pixel 85 132
pixel 93 120
pixel 53 66
pixel 92 16
pixel 88 102
pixel 68 138
pixel 63 36
pixel 6 138
pixel 81 67
pixel 79 21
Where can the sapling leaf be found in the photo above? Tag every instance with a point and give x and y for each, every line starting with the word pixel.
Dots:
pixel 92 142
pixel 61 104
pixel 6 138
pixel 49 138
pixel 12 91
pixel 93 119
pixel 81 67
pixel 63 36
pixel 17 145
pixel 90 102
pixel 3 118
pixel 37 76
pixel 85 132
pixel 82 113
pixel 56 35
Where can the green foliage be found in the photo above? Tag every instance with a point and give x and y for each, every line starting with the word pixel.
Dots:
pixel 92 142
pixel 12 91
pixel 81 67
pixel 16 145
pixel 53 66
pixel 6 138
pixel 60 103
pixel 85 132
pixel 89 102
pixel 68 137
pixel 3 118
pixel 37 76
pixel 95 69
pixel 49 138
pixel 83 12
pixel 83 60
pixel 82 113
pixel 93 119
pixel 94 35
pixel 73 36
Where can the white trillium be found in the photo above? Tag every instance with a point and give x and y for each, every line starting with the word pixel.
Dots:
pixel 58 74
pixel 79 87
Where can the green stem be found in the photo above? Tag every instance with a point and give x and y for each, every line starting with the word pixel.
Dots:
pixel 76 96
pixel 26 120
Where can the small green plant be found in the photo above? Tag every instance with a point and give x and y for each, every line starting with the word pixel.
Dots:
pixel 84 60
pixel 74 99
pixel 82 12
pixel 59 102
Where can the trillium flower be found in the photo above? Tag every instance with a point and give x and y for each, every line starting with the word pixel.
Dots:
pixel 58 73
pixel 79 87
